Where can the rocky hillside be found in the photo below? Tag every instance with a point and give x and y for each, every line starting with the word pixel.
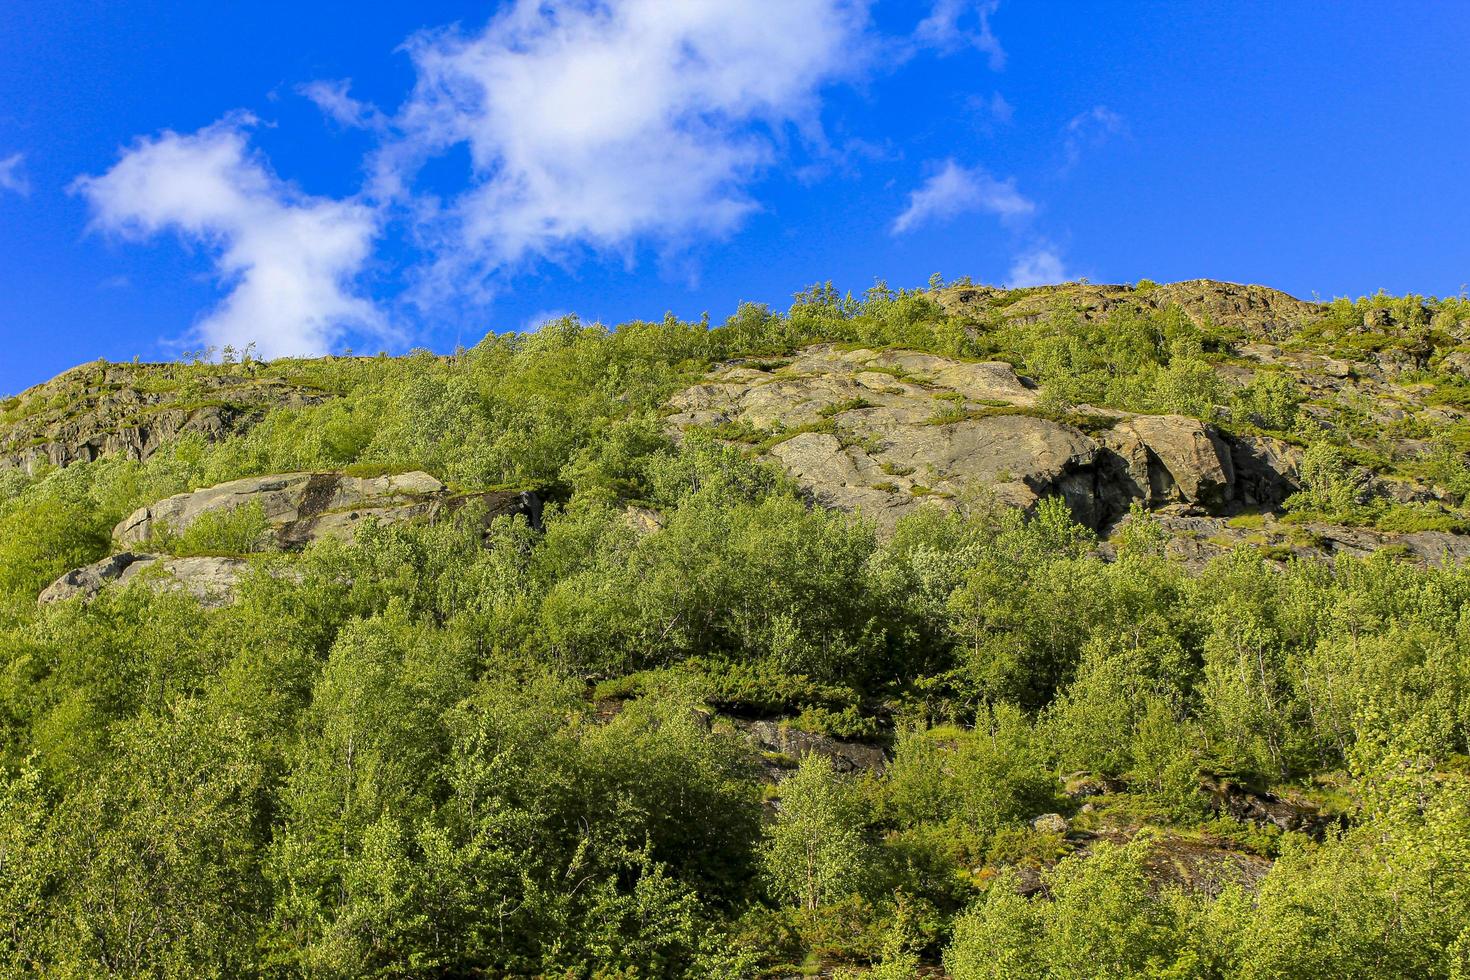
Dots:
pixel 1255 311
pixel 896 636
pixel 132 410
pixel 882 431
pixel 885 431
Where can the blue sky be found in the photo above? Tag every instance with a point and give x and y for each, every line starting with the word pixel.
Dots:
pixel 322 176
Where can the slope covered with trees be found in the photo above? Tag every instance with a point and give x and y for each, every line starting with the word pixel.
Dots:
pixel 680 719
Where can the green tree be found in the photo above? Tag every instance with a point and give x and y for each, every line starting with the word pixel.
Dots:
pixel 1102 920
pixel 817 851
pixel 29 865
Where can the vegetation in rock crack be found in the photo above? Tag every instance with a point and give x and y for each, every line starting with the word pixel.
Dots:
pixel 1078 631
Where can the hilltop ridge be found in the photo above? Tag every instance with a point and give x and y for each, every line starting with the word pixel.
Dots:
pixel 1196 400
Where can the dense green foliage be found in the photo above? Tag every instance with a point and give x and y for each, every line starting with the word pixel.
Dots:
pixel 433 751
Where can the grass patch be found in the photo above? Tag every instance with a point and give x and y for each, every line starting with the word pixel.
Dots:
pixel 1408 519
pixel 736 430
pixel 949 414
pixel 897 373
pixel 867 443
pixel 623 688
pixel 837 408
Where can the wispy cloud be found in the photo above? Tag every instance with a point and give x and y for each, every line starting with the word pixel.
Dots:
pixel 289 259
pixel 1040 265
pixel 988 114
pixel 956 24
pixel 332 98
pixel 996 107
pixel 613 124
pixel 11 177
pixel 541 318
pixel 954 190
pixel 1091 128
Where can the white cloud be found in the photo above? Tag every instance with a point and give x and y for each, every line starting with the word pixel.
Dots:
pixel 955 24
pixel 1040 266
pixel 955 190
pixel 11 179
pixel 288 258
pixel 616 122
pixel 1002 110
pixel 541 318
pixel 332 98
pixel 1091 128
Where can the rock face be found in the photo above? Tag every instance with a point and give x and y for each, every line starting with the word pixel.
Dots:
pixel 1196 539
pixel 883 433
pixel 1050 823
pixel 1018 457
pixel 298 508
pixel 794 743
pixel 88 580
pixel 1168 459
pixel 1259 310
pixel 1263 808
pixel 886 432
pixel 1196 865
pixel 131 410
pixel 1267 470
pixel 210 580
pixel 301 507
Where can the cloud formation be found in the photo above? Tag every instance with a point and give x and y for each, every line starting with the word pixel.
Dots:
pixel 607 124
pixel 289 259
pixel 11 178
pixel 332 98
pixel 1038 266
pixel 996 107
pixel 956 24
pixel 590 125
pixel 954 190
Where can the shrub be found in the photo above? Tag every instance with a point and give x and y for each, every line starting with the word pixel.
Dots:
pixel 1270 401
pixel 230 531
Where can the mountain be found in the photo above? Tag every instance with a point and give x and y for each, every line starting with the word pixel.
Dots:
pixel 1073 630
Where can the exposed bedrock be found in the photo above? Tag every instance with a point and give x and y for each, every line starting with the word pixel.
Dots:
pixel 299 508
pixel 292 509
pixel 133 410
pixel 886 432
pixel 209 579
